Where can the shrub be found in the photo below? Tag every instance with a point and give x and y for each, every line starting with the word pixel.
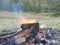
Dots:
pixel 56 14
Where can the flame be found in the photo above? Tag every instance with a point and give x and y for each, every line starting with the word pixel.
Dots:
pixel 24 20
pixel 43 26
pixel 18 30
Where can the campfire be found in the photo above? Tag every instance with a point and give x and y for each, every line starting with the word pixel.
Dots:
pixel 30 29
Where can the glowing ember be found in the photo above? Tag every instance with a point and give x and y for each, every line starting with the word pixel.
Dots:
pixel 18 30
pixel 43 26
pixel 24 20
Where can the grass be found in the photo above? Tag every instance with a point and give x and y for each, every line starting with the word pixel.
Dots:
pixel 8 24
pixel 51 23
pixel 12 24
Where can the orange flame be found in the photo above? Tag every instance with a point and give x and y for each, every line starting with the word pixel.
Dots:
pixel 24 20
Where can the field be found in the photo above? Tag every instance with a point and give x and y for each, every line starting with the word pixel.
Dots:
pixel 10 21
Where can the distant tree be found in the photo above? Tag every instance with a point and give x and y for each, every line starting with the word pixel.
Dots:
pixel 57 6
pixel 30 5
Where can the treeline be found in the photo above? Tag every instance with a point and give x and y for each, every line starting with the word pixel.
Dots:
pixel 30 5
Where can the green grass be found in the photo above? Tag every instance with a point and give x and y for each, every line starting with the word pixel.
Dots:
pixel 46 19
pixel 42 18
pixel 8 24
pixel 51 23
pixel 1 20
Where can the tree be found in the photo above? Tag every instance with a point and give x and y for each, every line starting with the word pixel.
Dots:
pixel 57 6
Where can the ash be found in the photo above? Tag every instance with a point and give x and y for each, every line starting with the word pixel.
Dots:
pixel 47 37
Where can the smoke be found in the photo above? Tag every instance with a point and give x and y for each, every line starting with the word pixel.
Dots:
pixel 15 8
pixel 11 5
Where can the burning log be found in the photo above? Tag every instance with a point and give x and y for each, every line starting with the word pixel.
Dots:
pixel 30 32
